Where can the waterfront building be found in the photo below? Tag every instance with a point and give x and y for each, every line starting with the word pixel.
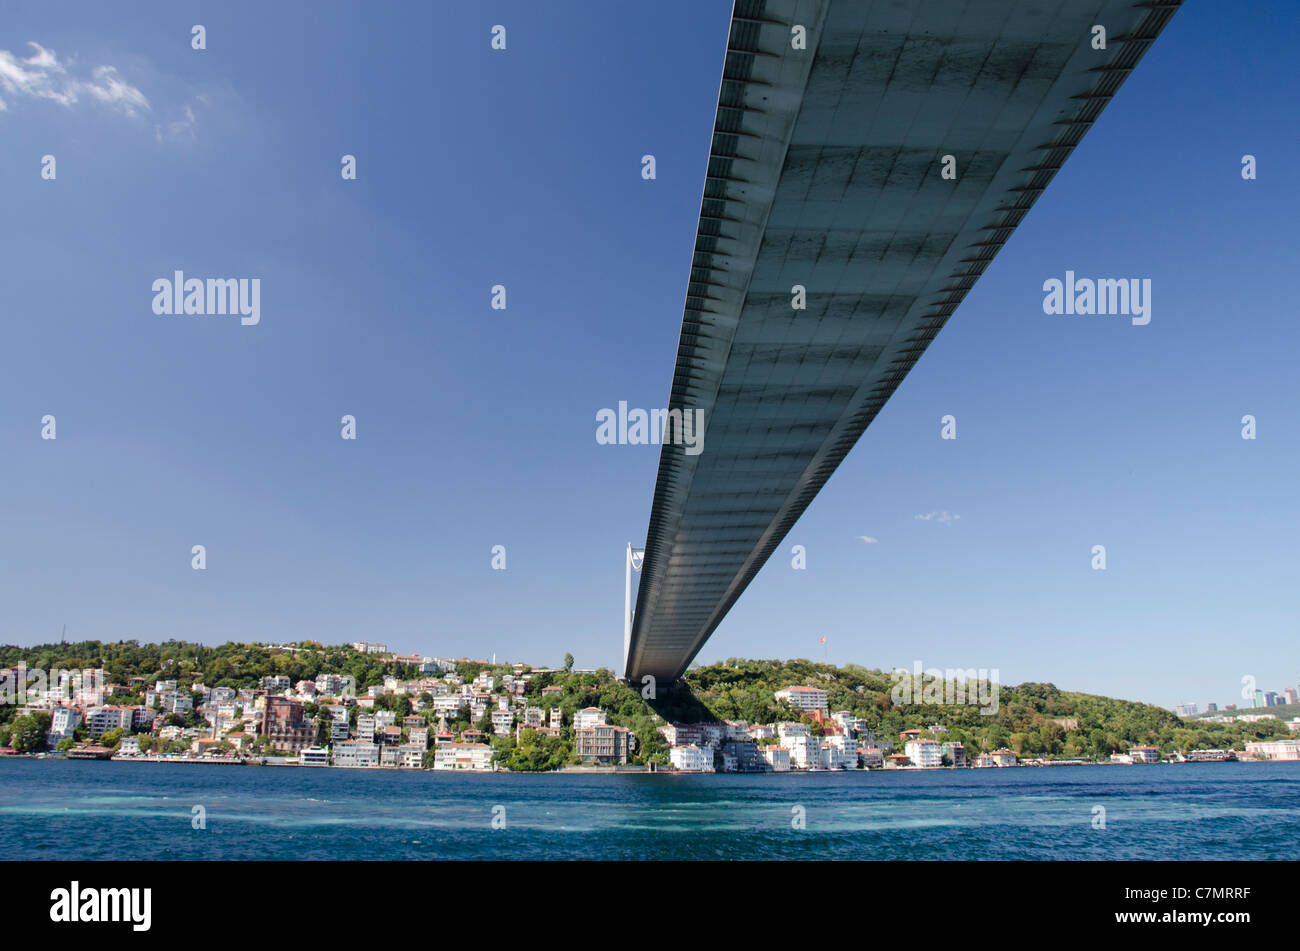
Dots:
pixel 314 756
pixel 284 726
pixel 954 753
pixel 63 721
pixel 691 759
pixel 741 754
pixel 1144 754
pixel 805 751
pixel 774 758
pixel 1274 749
pixel 356 753
pixel 925 753
pixel 602 743
pixel 1003 757
pixel 845 751
pixel 462 756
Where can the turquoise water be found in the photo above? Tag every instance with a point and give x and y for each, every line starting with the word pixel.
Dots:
pixel 101 810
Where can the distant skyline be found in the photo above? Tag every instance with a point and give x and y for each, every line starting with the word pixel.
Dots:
pixel 477 427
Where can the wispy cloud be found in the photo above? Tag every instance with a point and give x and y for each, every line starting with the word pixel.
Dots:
pixel 943 518
pixel 43 76
pixel 868 539
pixel 184 128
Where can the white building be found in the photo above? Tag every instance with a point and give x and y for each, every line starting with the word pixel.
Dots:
pixel 462 756
pixel 805 751
pixel 1275 749
pixel 503 722
pixel 366 728
pixel 691 759
pixel 356 753
pixel 775 758
pixel 924 752
pixel 314 756
pixel 787 729
pixel 101 720
pixel 846 751
pixel 588 716
pixel 63 721
pixel 807 699
pixel 410 756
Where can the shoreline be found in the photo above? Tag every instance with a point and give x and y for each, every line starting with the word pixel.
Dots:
pixel 631 770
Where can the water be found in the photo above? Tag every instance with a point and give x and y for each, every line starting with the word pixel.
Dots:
pixel 103 810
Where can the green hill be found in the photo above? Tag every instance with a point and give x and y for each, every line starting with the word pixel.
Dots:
pixel 1022 717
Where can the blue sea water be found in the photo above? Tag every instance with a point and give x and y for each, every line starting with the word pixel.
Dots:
pixel 53 809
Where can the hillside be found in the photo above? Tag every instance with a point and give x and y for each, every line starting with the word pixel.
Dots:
pixel 1021 719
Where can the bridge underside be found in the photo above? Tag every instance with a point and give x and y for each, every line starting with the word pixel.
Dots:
pixel 825 171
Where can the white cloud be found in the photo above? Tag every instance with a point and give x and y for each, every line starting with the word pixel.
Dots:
pixel 180 129
pixel 868 539
pixel 42 76
pixel 942 518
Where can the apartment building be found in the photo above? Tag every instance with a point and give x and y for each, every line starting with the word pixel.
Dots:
pixel 588 716
pixel 925 753
pixel 954 753
pixel 284 726
pixel 774 758
pixel 100 720
pixel 805 751
pixel 602 743
pixel 807 699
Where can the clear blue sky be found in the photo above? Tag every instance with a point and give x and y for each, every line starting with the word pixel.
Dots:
pixel 477 427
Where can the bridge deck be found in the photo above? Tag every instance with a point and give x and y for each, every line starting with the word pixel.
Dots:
pixel 825 171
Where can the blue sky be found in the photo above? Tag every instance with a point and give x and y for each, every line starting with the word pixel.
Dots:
pixel 476 427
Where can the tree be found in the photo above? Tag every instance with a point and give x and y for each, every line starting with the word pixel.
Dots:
pixel 568 662
pixel 27 733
